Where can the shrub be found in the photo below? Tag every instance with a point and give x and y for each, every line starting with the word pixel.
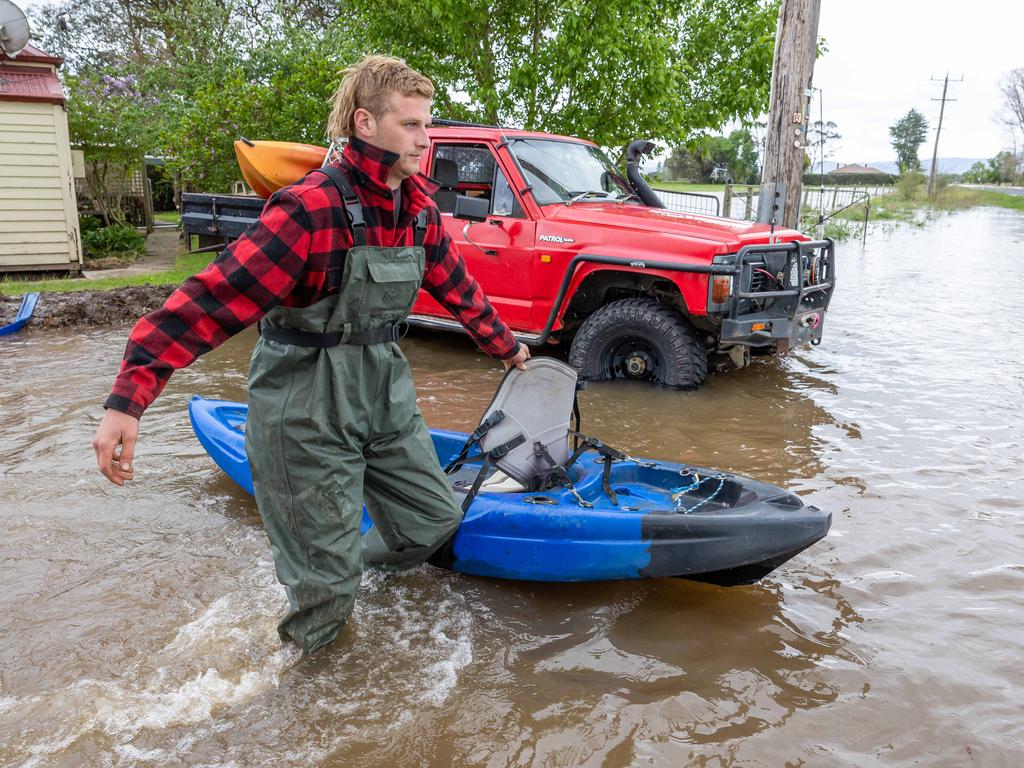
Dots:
pixel 118 241
pixel 909 185
pixel 89 223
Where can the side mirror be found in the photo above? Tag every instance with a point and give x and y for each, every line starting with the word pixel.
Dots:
pixel 472 209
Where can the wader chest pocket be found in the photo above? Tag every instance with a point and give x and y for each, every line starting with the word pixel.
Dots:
pixel 393 284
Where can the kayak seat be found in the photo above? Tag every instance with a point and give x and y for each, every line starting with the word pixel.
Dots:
pixel 524 433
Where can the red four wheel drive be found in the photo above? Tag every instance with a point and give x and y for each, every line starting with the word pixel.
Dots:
pixel 571 252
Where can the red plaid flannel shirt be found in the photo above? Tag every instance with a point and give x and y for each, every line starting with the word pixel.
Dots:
pixel 286 259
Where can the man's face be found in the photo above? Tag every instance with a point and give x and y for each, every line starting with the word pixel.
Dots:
pixel 402 130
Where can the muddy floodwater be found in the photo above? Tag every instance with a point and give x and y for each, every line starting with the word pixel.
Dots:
pixel 137 625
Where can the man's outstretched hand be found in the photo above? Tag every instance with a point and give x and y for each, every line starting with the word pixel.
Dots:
pixel 519 361
pixel 115 446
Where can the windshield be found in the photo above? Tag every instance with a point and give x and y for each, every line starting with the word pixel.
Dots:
pixel 563 171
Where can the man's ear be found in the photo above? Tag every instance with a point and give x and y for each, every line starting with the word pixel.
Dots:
pixel 365 123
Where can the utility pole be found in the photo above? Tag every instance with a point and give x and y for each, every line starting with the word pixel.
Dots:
pixel 796 41
pixel 935 151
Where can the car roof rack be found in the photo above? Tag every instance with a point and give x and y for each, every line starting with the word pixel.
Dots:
pixel 462 123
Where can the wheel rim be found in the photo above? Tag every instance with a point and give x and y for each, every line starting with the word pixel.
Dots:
pixel 631 357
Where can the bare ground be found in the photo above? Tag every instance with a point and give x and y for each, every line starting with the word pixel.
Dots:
pixel 79 308
pixel 109 307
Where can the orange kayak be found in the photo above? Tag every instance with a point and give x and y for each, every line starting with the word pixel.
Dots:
pixel 267 166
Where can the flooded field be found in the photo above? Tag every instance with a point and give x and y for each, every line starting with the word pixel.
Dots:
pixel 137 625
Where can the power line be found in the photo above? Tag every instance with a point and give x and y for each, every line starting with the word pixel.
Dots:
pixel 942 110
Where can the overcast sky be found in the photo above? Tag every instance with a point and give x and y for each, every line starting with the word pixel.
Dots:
pixel 882 55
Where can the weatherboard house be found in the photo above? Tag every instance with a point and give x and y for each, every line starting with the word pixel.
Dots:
pixel 38 210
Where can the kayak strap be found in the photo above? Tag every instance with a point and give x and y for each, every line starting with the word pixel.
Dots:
pixel 489 457
pixel 474 439
pixel 585 443
pixel 558 474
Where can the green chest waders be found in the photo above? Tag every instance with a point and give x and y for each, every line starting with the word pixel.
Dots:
pixel 333 423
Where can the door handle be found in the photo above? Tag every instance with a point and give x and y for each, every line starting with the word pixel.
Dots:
pixel 465 234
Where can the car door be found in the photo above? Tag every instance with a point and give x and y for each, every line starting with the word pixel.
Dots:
pixel 498 252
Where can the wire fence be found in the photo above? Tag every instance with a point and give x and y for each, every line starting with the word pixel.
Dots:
pixel 691 202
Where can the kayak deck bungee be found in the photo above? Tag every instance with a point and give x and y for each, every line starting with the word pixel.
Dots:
pixel 28 306
pixel 670 520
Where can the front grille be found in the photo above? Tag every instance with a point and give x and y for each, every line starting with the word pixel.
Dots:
pixel 757 280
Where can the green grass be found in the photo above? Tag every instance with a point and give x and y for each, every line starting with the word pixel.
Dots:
pixel 172 217
pixel 682 186
pixel 185 266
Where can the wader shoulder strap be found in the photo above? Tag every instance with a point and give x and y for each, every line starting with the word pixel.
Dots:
pixel 420 233
pixel 353 208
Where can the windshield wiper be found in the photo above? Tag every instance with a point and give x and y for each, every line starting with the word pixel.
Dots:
pixel 584 195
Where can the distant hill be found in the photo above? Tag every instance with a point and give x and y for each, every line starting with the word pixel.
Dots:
pixel 946 165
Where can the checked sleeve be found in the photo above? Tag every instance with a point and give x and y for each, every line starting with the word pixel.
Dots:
pixel 249 278
pixel 449 282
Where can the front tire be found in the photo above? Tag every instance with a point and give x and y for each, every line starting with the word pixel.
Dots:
pixel 641 340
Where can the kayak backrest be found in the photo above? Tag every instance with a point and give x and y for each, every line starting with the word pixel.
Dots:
pixel 537 404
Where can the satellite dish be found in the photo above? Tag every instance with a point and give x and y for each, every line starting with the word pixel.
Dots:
pixel 14 31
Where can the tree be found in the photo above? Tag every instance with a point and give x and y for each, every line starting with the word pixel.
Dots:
pixel 107 119
pixel 281 94
pixel 697 159
pixel 908 134
pixel 1012 87
pixel 611 71
pixel 822 138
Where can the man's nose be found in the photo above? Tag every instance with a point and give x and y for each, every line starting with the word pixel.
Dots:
pixel 423 140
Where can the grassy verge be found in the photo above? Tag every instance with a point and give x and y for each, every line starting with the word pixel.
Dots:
pixel 185 266
pixel 682 186
pixel 170 217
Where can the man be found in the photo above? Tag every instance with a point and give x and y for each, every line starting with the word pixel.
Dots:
pixel 331 268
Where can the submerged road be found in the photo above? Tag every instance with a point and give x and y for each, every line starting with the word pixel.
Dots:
pixel 137 625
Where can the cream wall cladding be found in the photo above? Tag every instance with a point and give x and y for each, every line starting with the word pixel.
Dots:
pixel 38 210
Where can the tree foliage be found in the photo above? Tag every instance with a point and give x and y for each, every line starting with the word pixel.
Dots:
pixel 611 71
pixel 822 138
pixel 698 159
pixel 205 72
pixel 107 119
pixel 1005 168
pixel 907 135
pixel 1012 88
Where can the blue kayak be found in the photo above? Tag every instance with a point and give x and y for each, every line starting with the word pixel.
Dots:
pixel 28 306
pixel 670 520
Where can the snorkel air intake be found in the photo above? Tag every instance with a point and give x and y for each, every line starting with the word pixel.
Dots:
pixel 634 152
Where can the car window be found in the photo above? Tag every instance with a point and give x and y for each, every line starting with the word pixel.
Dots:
pixel 503 201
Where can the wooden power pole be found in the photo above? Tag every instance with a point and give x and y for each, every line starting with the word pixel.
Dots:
pixel 796 41
pixel 935 150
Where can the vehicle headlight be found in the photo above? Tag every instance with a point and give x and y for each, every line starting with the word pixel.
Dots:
pixel 793 277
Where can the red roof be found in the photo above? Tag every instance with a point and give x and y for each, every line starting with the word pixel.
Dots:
pixel 21 82
pixel 32 55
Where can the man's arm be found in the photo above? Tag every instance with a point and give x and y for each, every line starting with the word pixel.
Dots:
pixel 449 282
pixel 250 277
